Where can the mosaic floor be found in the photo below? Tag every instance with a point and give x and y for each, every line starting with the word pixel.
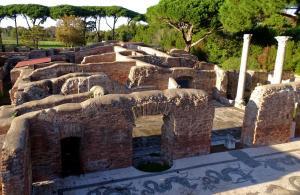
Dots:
pixel 252 171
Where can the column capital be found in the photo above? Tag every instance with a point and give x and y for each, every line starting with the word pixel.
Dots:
pixel 282 39
pixel 247 36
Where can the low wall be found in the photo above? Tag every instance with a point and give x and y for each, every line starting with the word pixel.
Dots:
pixel 167 62
pixel 159 77
pixel 8 113
pixel 152 51
pixel 79 55
pixel 71 83
pixel 253 79
pixel 117 71
pixel 106 57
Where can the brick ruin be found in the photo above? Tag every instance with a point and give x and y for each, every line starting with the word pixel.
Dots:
pixel 91 97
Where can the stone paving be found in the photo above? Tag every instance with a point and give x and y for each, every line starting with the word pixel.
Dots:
pixel 225 118
pixel 253 171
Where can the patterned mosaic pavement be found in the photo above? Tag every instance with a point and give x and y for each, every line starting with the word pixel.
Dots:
pixel 253 171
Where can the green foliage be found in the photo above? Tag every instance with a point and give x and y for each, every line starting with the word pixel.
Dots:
pixel 263 58
pixel 14 114
pixel 70 31
pixel 13 10
pixel 3 12
pixel 233 63
pixel 194 12
pixel 126 32
pixel 31 37
pixel 60 11
pixel 188 17
pixel 35 12
pixel 220 47
pixel 292 56
pixel 165 38
pixel 244 15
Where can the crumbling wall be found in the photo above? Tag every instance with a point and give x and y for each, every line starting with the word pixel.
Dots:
pixel 150 51
pixel 159 77
pixel 167 62
pixel 269 115
pixel 296 113
pixel 253 79
pixel 106 57
pixel 83 84
pixel 24 91
pixel 71 83
pixel 8 113
pixel 16 169
pixel 1 80
pixel 79 55
pixel 117 71
pixel 103 123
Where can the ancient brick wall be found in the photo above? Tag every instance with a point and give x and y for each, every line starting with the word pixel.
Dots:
pixel 106 57
pixel 7 113
pixel 296 113
pixel 101 134
pixel 159 77
pixel 152 51
pixel 221 82
pixel 102 124
pixel 71 83
pixel 268 115
pixel 167 62
pixel 92 51
pixel 117 71
pixel 43 82
pixel 16 160
pixel 253 78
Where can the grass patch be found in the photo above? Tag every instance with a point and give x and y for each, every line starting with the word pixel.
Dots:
pixel 153 167
pixel 42 44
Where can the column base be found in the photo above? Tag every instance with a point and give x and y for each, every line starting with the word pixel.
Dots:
pixel 239 104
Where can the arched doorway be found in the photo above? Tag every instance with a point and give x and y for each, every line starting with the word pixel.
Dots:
pixel 184 82
pixel 70 156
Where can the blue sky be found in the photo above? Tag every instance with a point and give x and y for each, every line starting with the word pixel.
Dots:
pixel 136 5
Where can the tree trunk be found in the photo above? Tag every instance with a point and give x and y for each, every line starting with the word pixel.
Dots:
pixel 188 46
pixel 17 34
pixel 1 37
pixel 188 41
pixel 187 37
pixel 37 43
pixel 84 31
pixel 114 28
pixel 1 42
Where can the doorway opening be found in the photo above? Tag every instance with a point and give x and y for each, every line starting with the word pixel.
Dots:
pixel 184 82
pixel 146 143
pixel 70 156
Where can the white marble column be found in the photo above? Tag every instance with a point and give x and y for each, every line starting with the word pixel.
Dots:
pixel 277 75
pixel 243 68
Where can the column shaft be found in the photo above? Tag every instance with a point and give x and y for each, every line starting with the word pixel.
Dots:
pixel 277 75
pixel 243 68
